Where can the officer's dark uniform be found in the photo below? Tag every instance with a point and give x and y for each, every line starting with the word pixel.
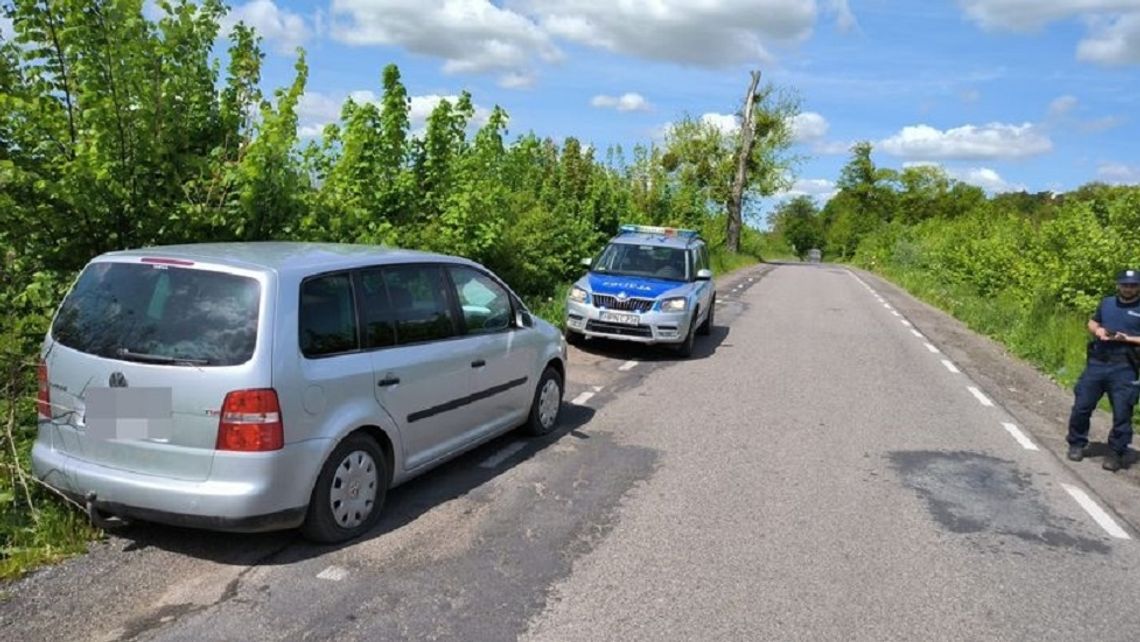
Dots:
pixel 1109 370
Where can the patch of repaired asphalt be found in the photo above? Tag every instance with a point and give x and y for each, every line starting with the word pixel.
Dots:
pixel 975 494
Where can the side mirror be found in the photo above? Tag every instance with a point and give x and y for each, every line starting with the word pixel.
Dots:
pixel 524 320
pixel 587 262
pixel 704 275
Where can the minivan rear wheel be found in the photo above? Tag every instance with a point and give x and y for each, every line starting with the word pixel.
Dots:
pixel 350 492
pixel 547 404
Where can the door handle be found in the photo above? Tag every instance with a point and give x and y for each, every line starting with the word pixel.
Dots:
pixel 388 380
pixel 478 363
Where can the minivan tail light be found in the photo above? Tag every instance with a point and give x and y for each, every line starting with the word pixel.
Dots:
pixel 43 396
pixel 251 421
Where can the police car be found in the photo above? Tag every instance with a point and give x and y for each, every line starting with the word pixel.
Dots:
pixel 650 285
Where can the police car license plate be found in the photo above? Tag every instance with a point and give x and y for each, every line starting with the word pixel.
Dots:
pixel 624 319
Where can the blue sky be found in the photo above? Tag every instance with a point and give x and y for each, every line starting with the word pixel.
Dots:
pixel 1005 94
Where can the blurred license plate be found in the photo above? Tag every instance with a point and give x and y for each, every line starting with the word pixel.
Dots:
pixel 624 319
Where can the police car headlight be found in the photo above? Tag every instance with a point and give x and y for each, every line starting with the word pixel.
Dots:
pixel 579 295
pixel 674 305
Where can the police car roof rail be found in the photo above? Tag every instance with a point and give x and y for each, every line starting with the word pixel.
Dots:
pixel 660 231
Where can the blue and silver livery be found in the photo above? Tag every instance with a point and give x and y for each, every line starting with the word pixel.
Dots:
pixel 649 285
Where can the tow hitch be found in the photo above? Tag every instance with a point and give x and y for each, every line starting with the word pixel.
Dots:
pixel 101 519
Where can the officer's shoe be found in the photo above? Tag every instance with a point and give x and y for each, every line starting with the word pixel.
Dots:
pixel 1076 453
pixel 1112 462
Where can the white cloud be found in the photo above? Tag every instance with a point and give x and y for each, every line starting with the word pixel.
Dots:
pixel 844 19
pixel 1115 43
pixel 1102 124
pixel 471 36
pixel 832 147
pixel 708 33
pixel 986 179
pixel 1119 173
pixel 1062 106
pixel 281 28
pixel 626 102
pixel 726 123
pixel 1114 25
pixel 516 80
pixel 969 142
pixel 1023 15
pixel 316 110
pixel 821 189
pixel 808 127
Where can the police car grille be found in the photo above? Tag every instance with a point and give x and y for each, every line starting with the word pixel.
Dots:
pixel 631 305
pixel 622 330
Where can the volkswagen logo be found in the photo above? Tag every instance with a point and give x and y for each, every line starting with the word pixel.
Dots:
pixel 117 380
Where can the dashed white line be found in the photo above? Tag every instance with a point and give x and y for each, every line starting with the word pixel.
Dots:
pixel 917 333
pixel 628 365
pixel 581 399
pixel 887 306
pixel 502 455
pixel 907 323
pixel 982 399
pixel 333 573
pixel 1093 509
pixel 950 366
pixel 930 347
pixel 1013 430
pixel 896 313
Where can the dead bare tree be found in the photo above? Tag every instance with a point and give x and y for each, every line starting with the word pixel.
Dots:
pixel 740 179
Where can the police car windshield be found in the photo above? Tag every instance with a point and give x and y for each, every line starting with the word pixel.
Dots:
pixel 654 261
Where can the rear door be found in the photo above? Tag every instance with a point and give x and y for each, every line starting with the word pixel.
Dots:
pixel 142 355
pixel 421 364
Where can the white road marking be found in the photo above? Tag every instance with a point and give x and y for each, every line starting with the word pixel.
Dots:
pixel 930 347
pixel 982 399
pixel 598 388
pixel 1093 509
pixel 1025 442
pixel 333 574
pixel 896 313
pixel 917 333
pixel 907 323
pixel 628 365
pixel 950 366
pixel 502 455
pixel 581 399
pixel 887 306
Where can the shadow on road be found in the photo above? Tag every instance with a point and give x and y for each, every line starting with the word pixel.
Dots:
pixel 704 348
pixel 404 505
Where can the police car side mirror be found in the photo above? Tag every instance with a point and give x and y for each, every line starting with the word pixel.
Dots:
pixel 704 275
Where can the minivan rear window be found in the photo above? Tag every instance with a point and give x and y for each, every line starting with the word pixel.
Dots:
pixel 160 314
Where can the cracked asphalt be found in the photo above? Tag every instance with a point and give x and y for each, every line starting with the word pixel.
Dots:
pixel 814 472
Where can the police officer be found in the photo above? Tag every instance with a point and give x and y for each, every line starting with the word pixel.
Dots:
pixel 1111 369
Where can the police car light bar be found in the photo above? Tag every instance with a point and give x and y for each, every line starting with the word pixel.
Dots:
pixel 665 231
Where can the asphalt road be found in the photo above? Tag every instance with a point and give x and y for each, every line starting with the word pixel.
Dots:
pixel 837 461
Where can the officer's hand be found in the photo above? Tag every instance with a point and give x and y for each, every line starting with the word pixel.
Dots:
pixel 1103 334
pixel 1120 336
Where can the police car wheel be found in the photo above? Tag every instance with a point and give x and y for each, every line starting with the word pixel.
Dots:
pixel 706 327
pixel 685 348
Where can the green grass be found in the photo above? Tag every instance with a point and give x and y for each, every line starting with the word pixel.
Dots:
pixel 51 533
pixel 1050 338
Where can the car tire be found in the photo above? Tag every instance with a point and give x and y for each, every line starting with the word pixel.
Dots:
pixel 575 338
pixel 685 348
pixel 706 327
pixel 340 508
pixel 547 404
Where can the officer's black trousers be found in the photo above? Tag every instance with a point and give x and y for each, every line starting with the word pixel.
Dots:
pixel 1098 379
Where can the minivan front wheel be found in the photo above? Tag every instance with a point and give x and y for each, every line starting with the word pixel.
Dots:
pixel 547 403
pixel 349 493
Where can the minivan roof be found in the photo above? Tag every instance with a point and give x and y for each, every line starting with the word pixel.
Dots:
pixel 285 256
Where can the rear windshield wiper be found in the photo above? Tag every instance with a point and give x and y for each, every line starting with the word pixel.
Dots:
pixel 123 353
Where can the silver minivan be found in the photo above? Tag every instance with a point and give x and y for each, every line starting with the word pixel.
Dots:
pixel 262 386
